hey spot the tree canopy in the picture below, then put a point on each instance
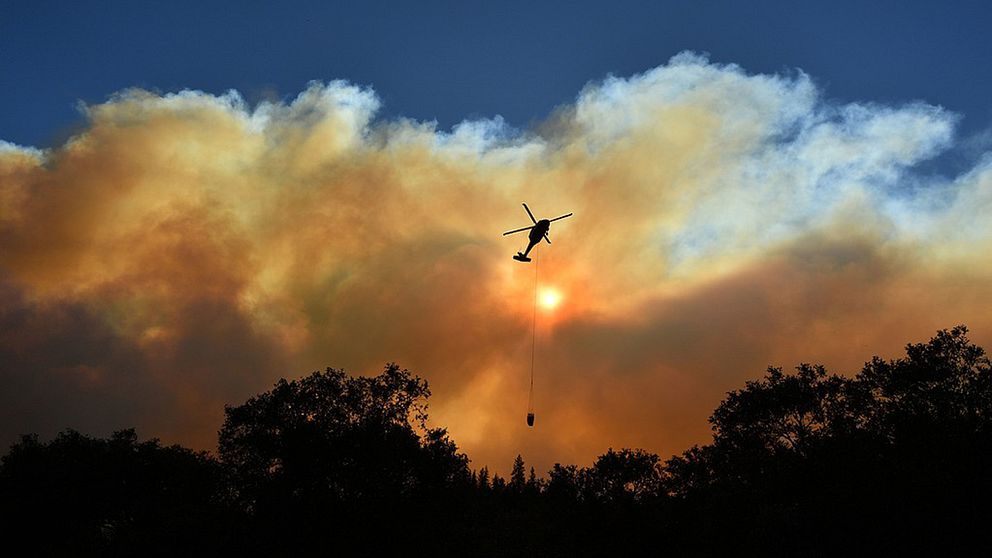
(333, 437)
(895, 458)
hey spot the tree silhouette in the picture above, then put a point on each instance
(944, 384)
(564, 484)
(331, 437)
(499, 484)
(896, 459)
(518, 479)
(624, 475)
(483, 482)
(782, 413)
(331, 457)
(534, 484)
(78, 495)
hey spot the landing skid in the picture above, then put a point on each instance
(521, 258)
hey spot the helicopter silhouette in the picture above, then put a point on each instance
(538, 231)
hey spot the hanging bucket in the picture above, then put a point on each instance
(530, 419)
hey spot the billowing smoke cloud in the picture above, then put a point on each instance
(186, 250)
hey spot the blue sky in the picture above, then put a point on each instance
(448, 61)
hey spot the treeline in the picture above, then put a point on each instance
(896, 459)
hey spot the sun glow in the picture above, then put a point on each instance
(549, 298)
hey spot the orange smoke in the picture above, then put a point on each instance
(186, 250)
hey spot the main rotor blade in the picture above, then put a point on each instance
(518, 230)
(546, 238)
(531, 214)
(562, 217)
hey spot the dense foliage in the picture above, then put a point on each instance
(896, 459)
(78, 495)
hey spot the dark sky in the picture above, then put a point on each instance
(454, 60)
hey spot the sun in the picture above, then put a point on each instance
(549, 298)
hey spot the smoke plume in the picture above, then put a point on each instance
(186, 250)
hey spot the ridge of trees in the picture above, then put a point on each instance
(894, 459)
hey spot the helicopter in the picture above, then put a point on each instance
(538, 231)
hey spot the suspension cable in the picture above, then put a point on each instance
(533, 333)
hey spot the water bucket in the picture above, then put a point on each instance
(530, 419)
